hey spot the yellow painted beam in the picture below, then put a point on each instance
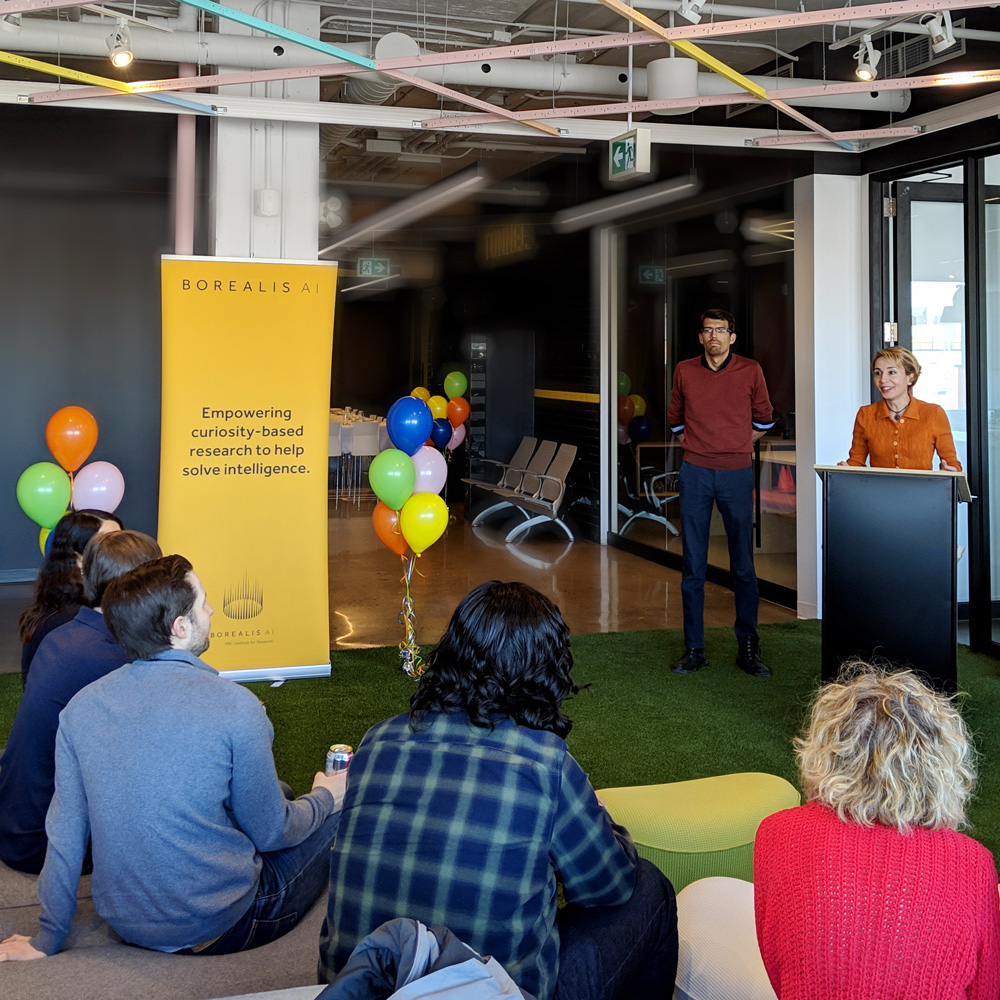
(688, 48)
(572, 397)
(67, 74)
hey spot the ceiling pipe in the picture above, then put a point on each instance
(46, 36)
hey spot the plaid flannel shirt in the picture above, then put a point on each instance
(470, 828)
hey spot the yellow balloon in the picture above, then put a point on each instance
(421, 393)
(640, 404)
(43, 534)
(439, 406)
(423, 520)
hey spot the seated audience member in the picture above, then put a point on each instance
(59, 584)
(470, 810)
(168, 767)
(868, 890)
(68, 659)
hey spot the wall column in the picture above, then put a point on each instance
(831, 349)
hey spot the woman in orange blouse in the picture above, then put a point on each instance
(900, 431)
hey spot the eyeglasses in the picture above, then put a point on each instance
(715, 329)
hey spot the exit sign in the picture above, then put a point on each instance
(628, 154)
(373, 267)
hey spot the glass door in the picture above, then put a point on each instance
(929, 292)
(991, 336)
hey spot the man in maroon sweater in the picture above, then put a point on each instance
(718, 407)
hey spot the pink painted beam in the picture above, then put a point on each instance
(710, 29)
(196, 83)
(20, 6)
(455, 95)
(781, 93)
(859, 135)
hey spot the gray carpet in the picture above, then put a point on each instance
(95, 965)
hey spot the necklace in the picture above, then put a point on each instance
(896, 414)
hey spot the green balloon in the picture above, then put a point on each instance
(455, 384)
(624, 384)
(393, 477)
(43, 491)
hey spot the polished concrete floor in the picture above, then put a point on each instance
(598, 589)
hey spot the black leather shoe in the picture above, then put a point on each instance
(692, 660)
(748, 657)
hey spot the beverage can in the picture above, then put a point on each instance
(338, 757)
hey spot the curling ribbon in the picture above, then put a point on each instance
(409, 650)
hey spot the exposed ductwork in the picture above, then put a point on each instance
(46, 36)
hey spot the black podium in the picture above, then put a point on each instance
(890, 571)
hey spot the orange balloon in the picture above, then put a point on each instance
(386, 523)
(458, 411)
(71, 434)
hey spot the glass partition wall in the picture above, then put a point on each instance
(938, 293)
(735, 256)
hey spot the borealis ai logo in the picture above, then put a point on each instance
(243, 600)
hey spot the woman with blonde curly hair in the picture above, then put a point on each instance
(869, 890)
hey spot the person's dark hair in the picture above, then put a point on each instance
(110, 555)
(140, 606)
(722, 314)
(505, 653)
(59, 584)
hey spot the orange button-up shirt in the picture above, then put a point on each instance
(908, 444)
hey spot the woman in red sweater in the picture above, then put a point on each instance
(868, 890)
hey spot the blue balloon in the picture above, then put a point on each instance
(409, 424)
(640, 429)
(441, 432)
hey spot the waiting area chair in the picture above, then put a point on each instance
(512, 471)
(528, 481)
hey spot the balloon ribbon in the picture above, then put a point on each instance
(409, 650)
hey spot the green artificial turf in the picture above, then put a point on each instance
(638, 723)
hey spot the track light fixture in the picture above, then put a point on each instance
(11, 23)
(868, 59)
(690, 10)
(939, 27)
(120, 46)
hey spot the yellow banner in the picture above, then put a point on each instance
(247, 347)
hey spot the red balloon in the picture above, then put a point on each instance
(458, 411)
(71, 434)
(386, 523)
(626, 409)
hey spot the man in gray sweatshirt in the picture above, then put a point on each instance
(167, 767)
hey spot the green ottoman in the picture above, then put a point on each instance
(694, 829)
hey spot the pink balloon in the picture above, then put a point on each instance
(98, 485)
(432, 470)
(457, 437)
(622, 434)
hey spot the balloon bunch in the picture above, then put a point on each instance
(44, 490)
(633, 424)
(449, 414)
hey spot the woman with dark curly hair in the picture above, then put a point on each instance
(59, 584)
(468, 812)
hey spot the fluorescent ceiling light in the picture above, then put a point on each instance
(868, 59)
(411, 209)
(618, 206)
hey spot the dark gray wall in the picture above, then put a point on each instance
(84, 217)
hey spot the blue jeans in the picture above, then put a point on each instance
(290, 882)
(621, 952)
(732, 491)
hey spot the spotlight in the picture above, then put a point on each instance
(11, 23)
(690, 10)
(939, 28)
(120, 47)
(868, 59)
